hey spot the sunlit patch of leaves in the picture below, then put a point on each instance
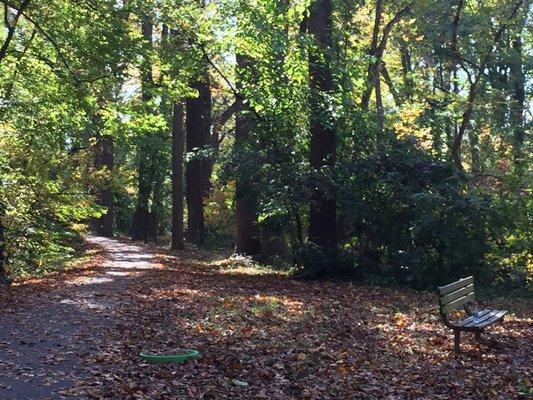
(266, 336)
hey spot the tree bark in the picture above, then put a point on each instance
(142, 219)
(247, 238)
(518, 96)
(105, 158)
(198, 128)
(3, 257)
(322, 214)
(178, 140)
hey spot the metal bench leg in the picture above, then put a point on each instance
(456, 340)
(478, 336)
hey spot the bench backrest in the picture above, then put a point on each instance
(456, 295)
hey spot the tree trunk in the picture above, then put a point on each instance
(198, 128)
(178, 139)
(518, 96)
(376, 51)
(474, 151)
(380, 113)
(142, 218)
(247, 238)
(408, 83)
(158, 198)
(372, 73)
(3, 257)
(474, 87)
(105, 159)
(322, 215)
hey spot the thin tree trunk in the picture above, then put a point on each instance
(216, 137)
(371, 84)
(518, 96)
(198, 128)
(380, 113)
(105, 158)
(322, 214)
(408, 85)
(178, 140)
(142, 220)
(247, 238)
(474, 150)
(158, 195)
(376, 51)
(390, 84)
(3, 256)
(474, 89)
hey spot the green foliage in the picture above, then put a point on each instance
(73, 73)
(411, 217)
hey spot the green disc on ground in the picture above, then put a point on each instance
(179, 357)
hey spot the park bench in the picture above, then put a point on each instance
(458, 295)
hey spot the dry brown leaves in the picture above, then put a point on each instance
(268, 337)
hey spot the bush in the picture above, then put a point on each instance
(411, 218)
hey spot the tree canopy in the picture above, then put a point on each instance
(386, 141)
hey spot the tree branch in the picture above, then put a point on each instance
(472, 93)
(238, 95)
(11, 27)
(378, 50)
(222, 119)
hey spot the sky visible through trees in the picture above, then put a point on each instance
(381, 140)
(279, 184)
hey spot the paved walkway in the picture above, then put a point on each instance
(43, 343)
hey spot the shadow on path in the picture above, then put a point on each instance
(43, 342)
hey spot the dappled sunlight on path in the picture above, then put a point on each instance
(261, 336)
(45, 341)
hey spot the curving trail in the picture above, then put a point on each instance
(44, 342)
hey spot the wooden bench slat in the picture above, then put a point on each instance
(480, 319)
(483, 320)
(456, 294)
(456, 285)
(457, 303)
(492, 320)
(477, 317)
(473, 317)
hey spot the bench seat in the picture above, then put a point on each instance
(458, 295)
(482, 319)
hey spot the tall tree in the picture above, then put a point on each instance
(3, 257)
(477, 81)
(518, 97)
(178, 139)
(105, 159)
(142, 218)
(376, 50)
(247, 239)
(322, 214)
(198, 132)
